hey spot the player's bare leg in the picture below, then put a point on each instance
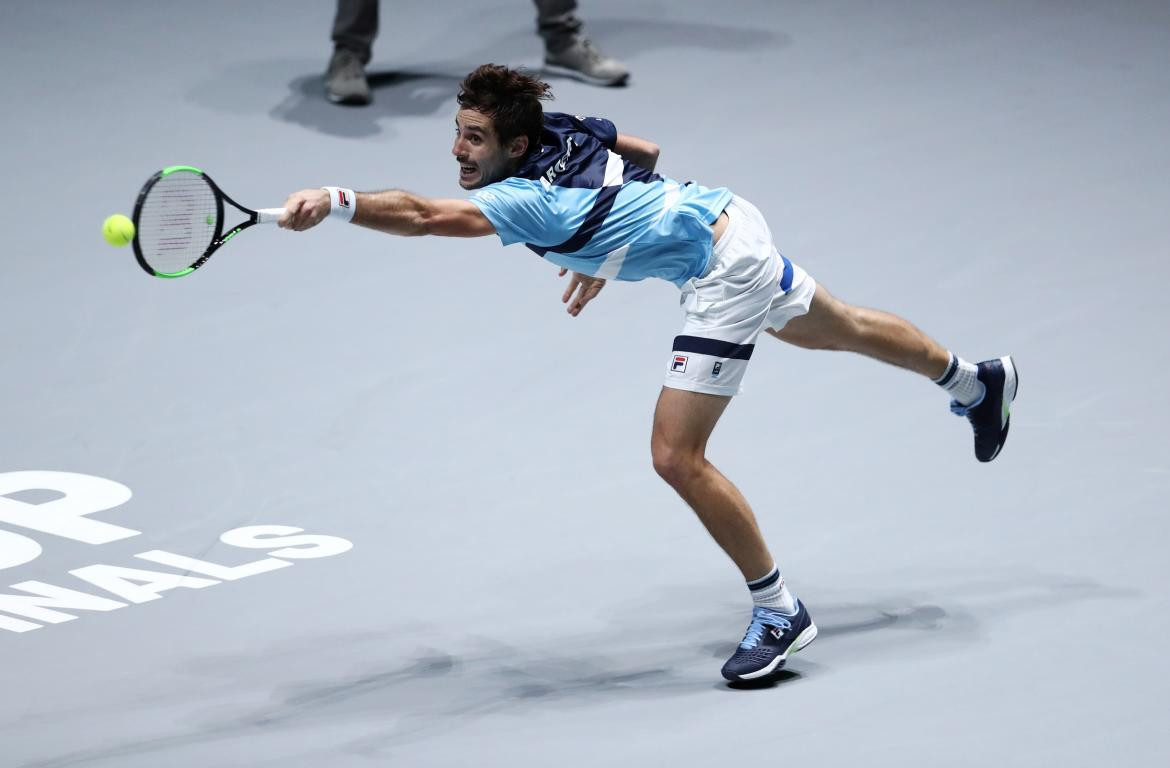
(683, 422)
(832, 324)
(983, 393)
(780, 624)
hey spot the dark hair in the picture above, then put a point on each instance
(510, 98)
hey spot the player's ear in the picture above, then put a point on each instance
(518, 147)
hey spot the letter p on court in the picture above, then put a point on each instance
(66, 516)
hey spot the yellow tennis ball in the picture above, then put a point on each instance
(118, 230)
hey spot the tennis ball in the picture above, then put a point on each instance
(118, 230)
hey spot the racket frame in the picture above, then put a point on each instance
(219, 239)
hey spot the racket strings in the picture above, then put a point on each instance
(177, 222)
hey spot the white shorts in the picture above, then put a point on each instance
(749, 286)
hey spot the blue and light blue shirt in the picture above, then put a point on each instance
(582, 206)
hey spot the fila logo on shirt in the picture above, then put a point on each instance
(679, 365)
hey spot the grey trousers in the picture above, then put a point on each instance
(356, 24)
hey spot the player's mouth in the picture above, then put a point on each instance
(467, 172)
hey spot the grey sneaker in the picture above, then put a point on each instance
(345, 80)
(581, 60)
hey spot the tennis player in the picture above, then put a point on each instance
(586, 198)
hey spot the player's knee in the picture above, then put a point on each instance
(675, 465)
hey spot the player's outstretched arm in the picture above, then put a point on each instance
(638, 151)
(393, 211)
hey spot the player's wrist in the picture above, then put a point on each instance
(342, 202)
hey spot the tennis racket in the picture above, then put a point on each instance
(179, 221)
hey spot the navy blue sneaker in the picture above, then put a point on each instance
(770, 638)
(990, 416)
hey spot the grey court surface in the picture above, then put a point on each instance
(520, 588)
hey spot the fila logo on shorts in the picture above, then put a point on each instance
(707, 365)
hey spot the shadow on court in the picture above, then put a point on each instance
(395, 94)
(435, 693)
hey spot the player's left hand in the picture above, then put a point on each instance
(586, 287)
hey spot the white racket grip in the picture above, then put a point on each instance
(269, 215)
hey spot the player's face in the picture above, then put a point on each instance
(482, 158)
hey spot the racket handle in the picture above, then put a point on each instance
(269, 215)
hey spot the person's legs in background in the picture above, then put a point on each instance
(568, 52)
(354, 28)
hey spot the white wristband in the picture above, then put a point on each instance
(342, 202)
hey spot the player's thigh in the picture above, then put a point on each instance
(683, 420)
(828, 324)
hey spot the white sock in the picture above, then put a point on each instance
(771, 592)
(961, 381)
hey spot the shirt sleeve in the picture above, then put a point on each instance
(599, 128)
(517, 209)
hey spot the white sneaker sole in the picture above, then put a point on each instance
(576, 74)
(1011, 383)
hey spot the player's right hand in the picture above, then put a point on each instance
(304, 209)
